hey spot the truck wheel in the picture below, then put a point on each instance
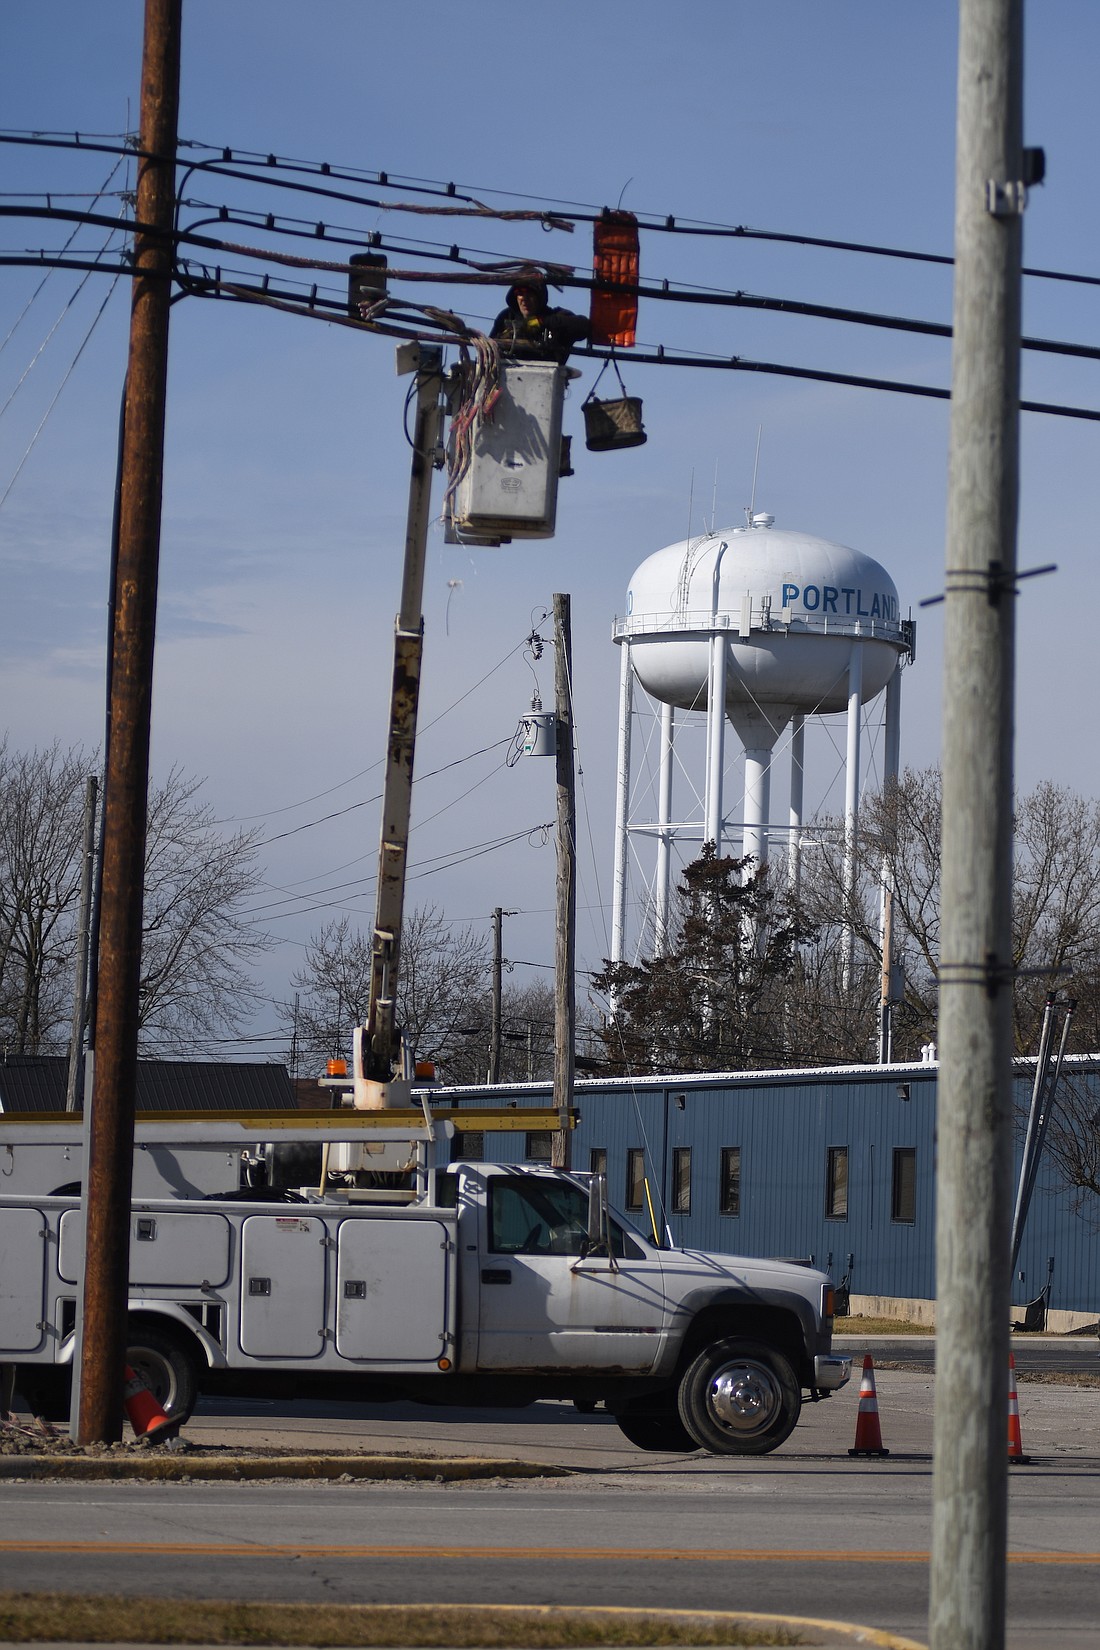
(166, 1368)
(657, 1432)
(740, 1398)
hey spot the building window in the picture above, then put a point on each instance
(836, 1183)
(903, 1195)
(635, 1178)
(681, 1180)
(597, 1160)
(729, 1190)
(469, 1146)
(539, 1147)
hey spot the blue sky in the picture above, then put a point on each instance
(286, 474)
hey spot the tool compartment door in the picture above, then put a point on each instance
(282, 1286)
(391, 1290)
(166, 1249)
(22, 1280)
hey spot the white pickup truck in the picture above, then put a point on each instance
(477, 1284)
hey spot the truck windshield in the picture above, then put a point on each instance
(532, 1216)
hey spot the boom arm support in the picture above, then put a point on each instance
(377, 1057)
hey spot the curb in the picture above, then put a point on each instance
(190, 1468)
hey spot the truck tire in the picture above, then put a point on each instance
(657, 1432)
(740, 1398)
(165, 1366)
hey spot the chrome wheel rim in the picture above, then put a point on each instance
(745, 1398)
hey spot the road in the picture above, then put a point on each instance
(807, 1530)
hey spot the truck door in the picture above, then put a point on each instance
(392, 1295)
(283, 1286)
(22, 1280)
(542, 1305)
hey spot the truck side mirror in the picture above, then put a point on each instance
(598, 1238)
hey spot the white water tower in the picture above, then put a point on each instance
(767, 627)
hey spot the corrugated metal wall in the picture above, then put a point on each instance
(784, 1126)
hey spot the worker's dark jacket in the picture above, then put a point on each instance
(546, 337)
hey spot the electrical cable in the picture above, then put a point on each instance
(100, 192)
(367, 801)
(274, 168)
(72, 366)
(664, 292)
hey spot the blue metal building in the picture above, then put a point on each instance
(837, 1164)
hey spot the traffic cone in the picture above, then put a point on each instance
(868, 1435)
(143, 1411)
(1016, 1456)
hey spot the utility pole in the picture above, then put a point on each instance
(974, 1157)
(498, 969)
(565, 916)
(109, 1169)
(74, 1089)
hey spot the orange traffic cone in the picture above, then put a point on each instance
(1016, 1456)
(868, 1435)
(143, 1411)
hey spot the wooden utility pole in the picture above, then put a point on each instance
(109, 1168)
(565, 916)
(974, 1155)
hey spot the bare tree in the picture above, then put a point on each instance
(1073, 1142)
(1055, 915)
(197, 939)
(442, 981)
(41, 817)
(898, 846)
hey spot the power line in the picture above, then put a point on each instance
(271, 169)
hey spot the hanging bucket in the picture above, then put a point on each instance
(610, 424)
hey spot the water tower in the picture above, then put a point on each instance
(767, 627)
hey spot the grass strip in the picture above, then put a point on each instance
(44, 1617)
(879, 1326)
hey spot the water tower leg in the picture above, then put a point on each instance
(716, 736)
(664, 832)
(622, 805)
(798, 774)
(851, 800)
(891, 759)
(754, 837)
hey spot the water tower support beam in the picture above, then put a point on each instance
(798, 776)
(664, 835)
(716, 737)
(622, 804)
(851, 799)
(891, 762)
(754, 836)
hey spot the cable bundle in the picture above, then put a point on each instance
(480, 391)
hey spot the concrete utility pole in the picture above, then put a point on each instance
(498, 970)
(109, 1168)
(565, 921)
(974, 1160)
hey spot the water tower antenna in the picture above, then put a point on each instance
(750, 512)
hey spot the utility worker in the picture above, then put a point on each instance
(528, 326)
